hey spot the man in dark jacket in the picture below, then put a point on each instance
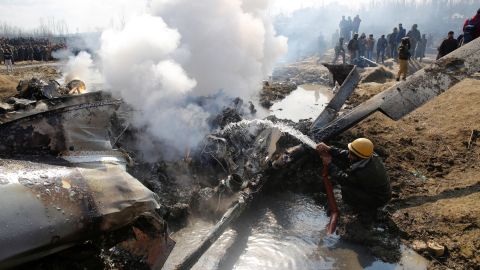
(448, 45)
(402, 32)
(353, 47)
(361, 174)
(381, 46)
(415, 37)
(403, 56)
(393, 43)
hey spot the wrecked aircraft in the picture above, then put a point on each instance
(62, 183)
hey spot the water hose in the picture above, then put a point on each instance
(332, 204)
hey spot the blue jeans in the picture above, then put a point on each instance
(370, 54)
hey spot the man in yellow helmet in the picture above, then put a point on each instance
(360, 172)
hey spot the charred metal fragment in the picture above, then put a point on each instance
(348, 78)
(61, 183)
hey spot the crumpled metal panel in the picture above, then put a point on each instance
(48, 207)
(55, 103)
(348, 85)
(62, 183)
(82, 127)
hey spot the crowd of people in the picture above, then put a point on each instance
(399, 44)
(20, 49)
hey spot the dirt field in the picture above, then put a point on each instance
(25, 71)
(434, 161)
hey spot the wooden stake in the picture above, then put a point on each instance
(471, 139)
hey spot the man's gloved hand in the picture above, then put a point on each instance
(323, 148)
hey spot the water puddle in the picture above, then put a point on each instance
(306, 102)
(282, 231)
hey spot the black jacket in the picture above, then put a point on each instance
(353, 45)
(403, 52)
(448, 46)
(368, 175)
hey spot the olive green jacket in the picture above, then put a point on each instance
(367, 175)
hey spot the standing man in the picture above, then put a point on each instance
(403, 56)
(392, 42)
(356, 23)
(339, 51)
(8, 58)
(422, 47)
(415, 37)
(353, 47)
(381, 47)
(362, 45)
(364, 182)
(471, 28)
(370, 46)
(448, 45)
(401, 34)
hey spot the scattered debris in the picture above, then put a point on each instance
(435, 248)
(419, 246)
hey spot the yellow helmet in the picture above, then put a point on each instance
(362, 147)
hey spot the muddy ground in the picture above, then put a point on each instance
(433, 159)
(432, 155)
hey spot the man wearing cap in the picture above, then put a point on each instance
(361, 174)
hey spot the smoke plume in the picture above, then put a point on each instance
(79, 67)
(183, 49)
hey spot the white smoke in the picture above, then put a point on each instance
(184, 49)
(79, 67)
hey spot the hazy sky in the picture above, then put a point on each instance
(88, 15)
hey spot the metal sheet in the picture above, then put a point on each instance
(46, 207)
(82, 127)
(344, 92)
(56, 103)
